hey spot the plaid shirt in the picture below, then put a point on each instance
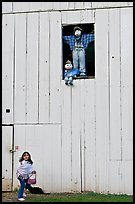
(85, 39)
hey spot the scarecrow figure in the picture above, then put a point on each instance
(79, 52)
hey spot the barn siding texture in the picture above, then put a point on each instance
(80, 137)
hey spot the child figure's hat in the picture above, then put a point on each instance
(68, 62)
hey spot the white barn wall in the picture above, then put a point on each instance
(80, 137)
(127, 83)
(20, 69)
(102, 99)
(115, 80)
(7, 68)
(44, 74)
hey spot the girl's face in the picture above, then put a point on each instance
(25, 156)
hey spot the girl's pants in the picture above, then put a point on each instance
(23, 185)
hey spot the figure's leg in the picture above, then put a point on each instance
(82, 66)
(70, 80)
(75, 59)
(66, 80)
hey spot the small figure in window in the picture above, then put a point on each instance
(70, 73)
(68, 79)
(79, 52)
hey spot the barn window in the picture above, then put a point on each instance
(73, 49)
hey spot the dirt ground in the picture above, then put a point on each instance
(12, 196)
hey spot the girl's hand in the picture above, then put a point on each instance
(20, 177)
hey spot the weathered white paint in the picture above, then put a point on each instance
(102, 100)
(7, 133)
(66, 138)
(53, 6)
(115, 80)
(44, 74)
(21, 6)
(120, 176)
(32, 68)
(55, 64)
(20, 69)
(108, 4)
(127, 83)
(6, 7)
(7, 68)
(80, 137)
(89, 136)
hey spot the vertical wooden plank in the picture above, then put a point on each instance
(6, 7)
(7, 133)
(7, 68)
(74, 17)
(66, 137)
(114, 176)
(79, 5)
(44, 142)
(63, 5)
(56, 158)
(120, 177)
(82, 133)
(130, 3)
(76, 146)
(70, 17)
(47, 5)
(56, 5)
(127, 82)
(114, 59)
(90, 136)
(35, 6)
(87, 5)
(127, 177)
(55, 67)
(71, 5)
(44, 58)
(21, 6)
(102, 103)
(32, 68)
(20, 68)
(87, 16)
(108, 4)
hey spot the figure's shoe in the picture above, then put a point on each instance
(66, 82)
(70, 82)
(82, 74)
(21, 199)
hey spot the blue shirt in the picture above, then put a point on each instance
(85, 39)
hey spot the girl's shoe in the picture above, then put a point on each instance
(21, 199)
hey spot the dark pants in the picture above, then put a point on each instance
(23, 185)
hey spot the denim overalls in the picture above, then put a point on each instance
(79, 56)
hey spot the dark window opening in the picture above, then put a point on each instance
(87, 43)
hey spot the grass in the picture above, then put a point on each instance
(80, 197)
(68, 197)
